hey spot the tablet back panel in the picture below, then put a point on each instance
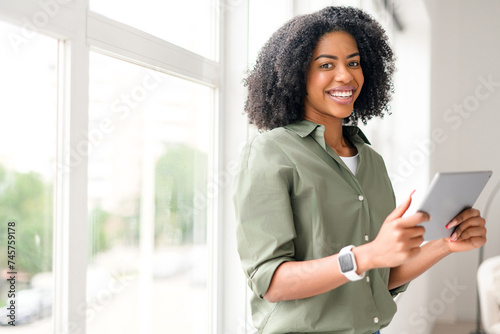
(448, 195)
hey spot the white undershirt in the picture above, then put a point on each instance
(351, 162)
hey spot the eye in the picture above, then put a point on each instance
(354, 64)
(328, 65)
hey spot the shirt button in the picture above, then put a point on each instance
(360, 197)
(366, 237)
(375, 320)
(368, 279)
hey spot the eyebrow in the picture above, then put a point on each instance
(335, 57)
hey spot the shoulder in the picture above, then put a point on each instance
(270, 148)
(369, 150)
(373, 158)
(275, 139)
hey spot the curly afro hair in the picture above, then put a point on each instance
(277, 83)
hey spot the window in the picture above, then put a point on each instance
(109, 145)
(27, 173)
(148, 170)
(190, 24)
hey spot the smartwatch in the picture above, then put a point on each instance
(347, 264)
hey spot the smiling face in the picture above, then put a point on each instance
(334, 77)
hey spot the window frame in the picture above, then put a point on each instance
(80, 31)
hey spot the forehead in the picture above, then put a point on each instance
(337, 41)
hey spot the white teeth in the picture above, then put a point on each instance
(341, 94)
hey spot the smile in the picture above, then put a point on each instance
(341, 94)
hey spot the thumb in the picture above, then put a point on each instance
(401, 209)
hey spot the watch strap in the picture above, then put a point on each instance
(351, 274)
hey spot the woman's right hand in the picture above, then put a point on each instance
(399, 238)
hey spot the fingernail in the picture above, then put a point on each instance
(454, 237)
(451, 224)
(413, 192)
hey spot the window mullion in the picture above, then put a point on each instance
(71, 230)
(232, 135)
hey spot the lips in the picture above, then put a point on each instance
(342, 94)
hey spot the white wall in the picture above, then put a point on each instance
(402, 138)
(465, 53)
(454, 123)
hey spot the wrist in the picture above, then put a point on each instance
(443, 246)
(364, 258)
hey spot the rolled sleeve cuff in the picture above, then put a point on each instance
(399, 289)
(260, 279)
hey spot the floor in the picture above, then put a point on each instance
(455, 328)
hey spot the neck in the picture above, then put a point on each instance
(333, 134)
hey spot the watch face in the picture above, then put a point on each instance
(345, 262)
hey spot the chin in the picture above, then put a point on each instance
(342, 114)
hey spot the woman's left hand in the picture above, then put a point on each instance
(470, 232)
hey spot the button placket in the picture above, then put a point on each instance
(361, 198)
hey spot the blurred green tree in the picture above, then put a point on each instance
(97, 231)
(180, 172)
(26, 199)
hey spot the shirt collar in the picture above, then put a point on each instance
(302, 128)
(305, 128)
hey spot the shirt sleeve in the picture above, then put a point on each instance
(265, 228)
(396, 291)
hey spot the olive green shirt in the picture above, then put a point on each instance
(296, 200)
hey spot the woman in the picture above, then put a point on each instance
(320, 240)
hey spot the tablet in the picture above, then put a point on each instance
(447, 196)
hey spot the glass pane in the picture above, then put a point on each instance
(147, 171)
(191, 24)
(28, 110)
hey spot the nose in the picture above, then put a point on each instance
(343, 74)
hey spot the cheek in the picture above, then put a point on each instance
(316, 83)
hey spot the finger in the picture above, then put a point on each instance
(478, 241)
(414, 232)
(462, 216)
(419, 231)
(471, 232)
(401, 209)
(416, 241)
(414, 220)
(469, 223)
